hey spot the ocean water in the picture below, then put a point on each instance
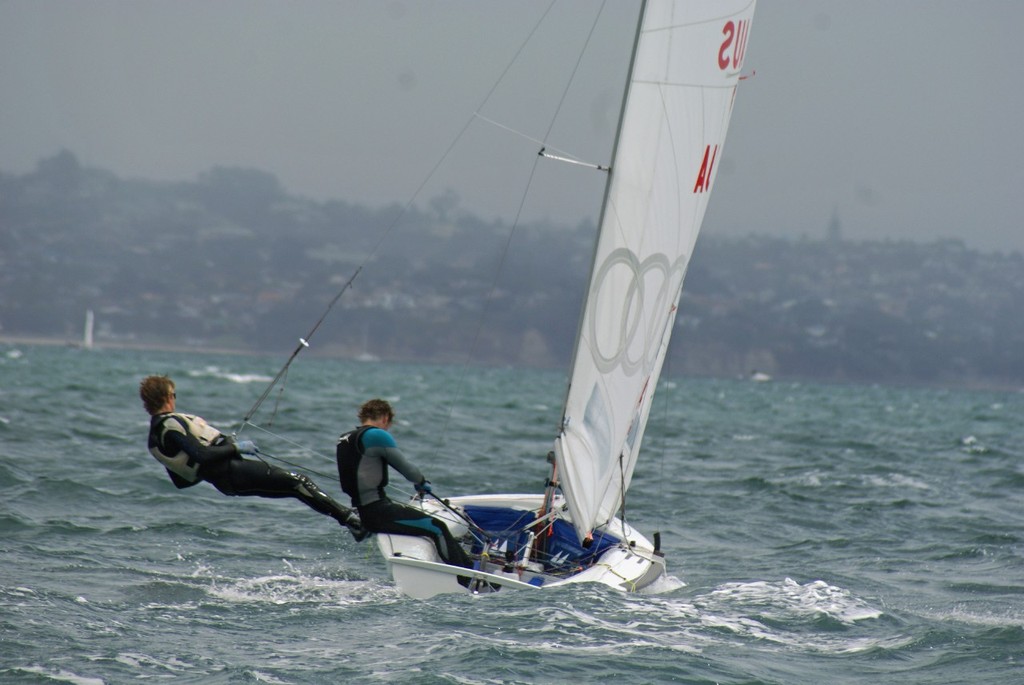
(814, 533)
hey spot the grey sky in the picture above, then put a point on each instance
(899, 116)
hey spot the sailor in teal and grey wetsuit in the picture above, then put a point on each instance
(364, 455)
(193, 451)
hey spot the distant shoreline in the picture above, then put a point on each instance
(51, 341)
(121, 345)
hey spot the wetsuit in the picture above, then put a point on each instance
(192, 451)
(364, 456)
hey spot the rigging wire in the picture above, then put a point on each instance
(575, 69)
(499, 270)
(304, 342)
(261, 454)
(295, 444)
(562, 155)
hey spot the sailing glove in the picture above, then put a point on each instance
(246, 447)
(423, 487)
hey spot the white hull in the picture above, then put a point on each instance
(419, 572)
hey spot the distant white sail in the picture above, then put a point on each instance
(87, 334)
(679, 100)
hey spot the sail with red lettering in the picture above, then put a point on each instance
(679, 99)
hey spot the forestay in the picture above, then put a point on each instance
(679, 98)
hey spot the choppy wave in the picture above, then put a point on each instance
(813, 534)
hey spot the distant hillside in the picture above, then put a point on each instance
(231, 260)
(890, 312)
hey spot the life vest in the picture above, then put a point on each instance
(184, 472)
(349, 453)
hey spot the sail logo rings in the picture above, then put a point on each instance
(631, 336)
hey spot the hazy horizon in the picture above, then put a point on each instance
(891, 116)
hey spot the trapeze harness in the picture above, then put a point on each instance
(363, 478)
(219, 463)
(183, 469)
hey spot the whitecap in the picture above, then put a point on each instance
(262, 677)
(172, 664)
(666, 583)
(788, 613)
(1012, 618)
(217, 372)
(972, 446)
(62, 675)
(790, 600)
(896, 480)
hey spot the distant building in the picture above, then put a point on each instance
(835, 227)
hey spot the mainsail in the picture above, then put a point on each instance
(679, 97)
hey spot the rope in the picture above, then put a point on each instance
(469, 522)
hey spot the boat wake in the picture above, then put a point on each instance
(813, 616)
(790, 602)
(808, 618)
(663, 585)
(298, 588)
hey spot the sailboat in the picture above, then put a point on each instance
(679, 96)
(87, 334)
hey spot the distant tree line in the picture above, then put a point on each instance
(232, 260)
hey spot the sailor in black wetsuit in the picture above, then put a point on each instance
(192, 451)
(364, 455)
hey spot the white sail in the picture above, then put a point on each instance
(679, 98)
(87, 334)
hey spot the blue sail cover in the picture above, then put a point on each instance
(508, 526)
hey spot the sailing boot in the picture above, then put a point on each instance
(322, 502)
(354, 525)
